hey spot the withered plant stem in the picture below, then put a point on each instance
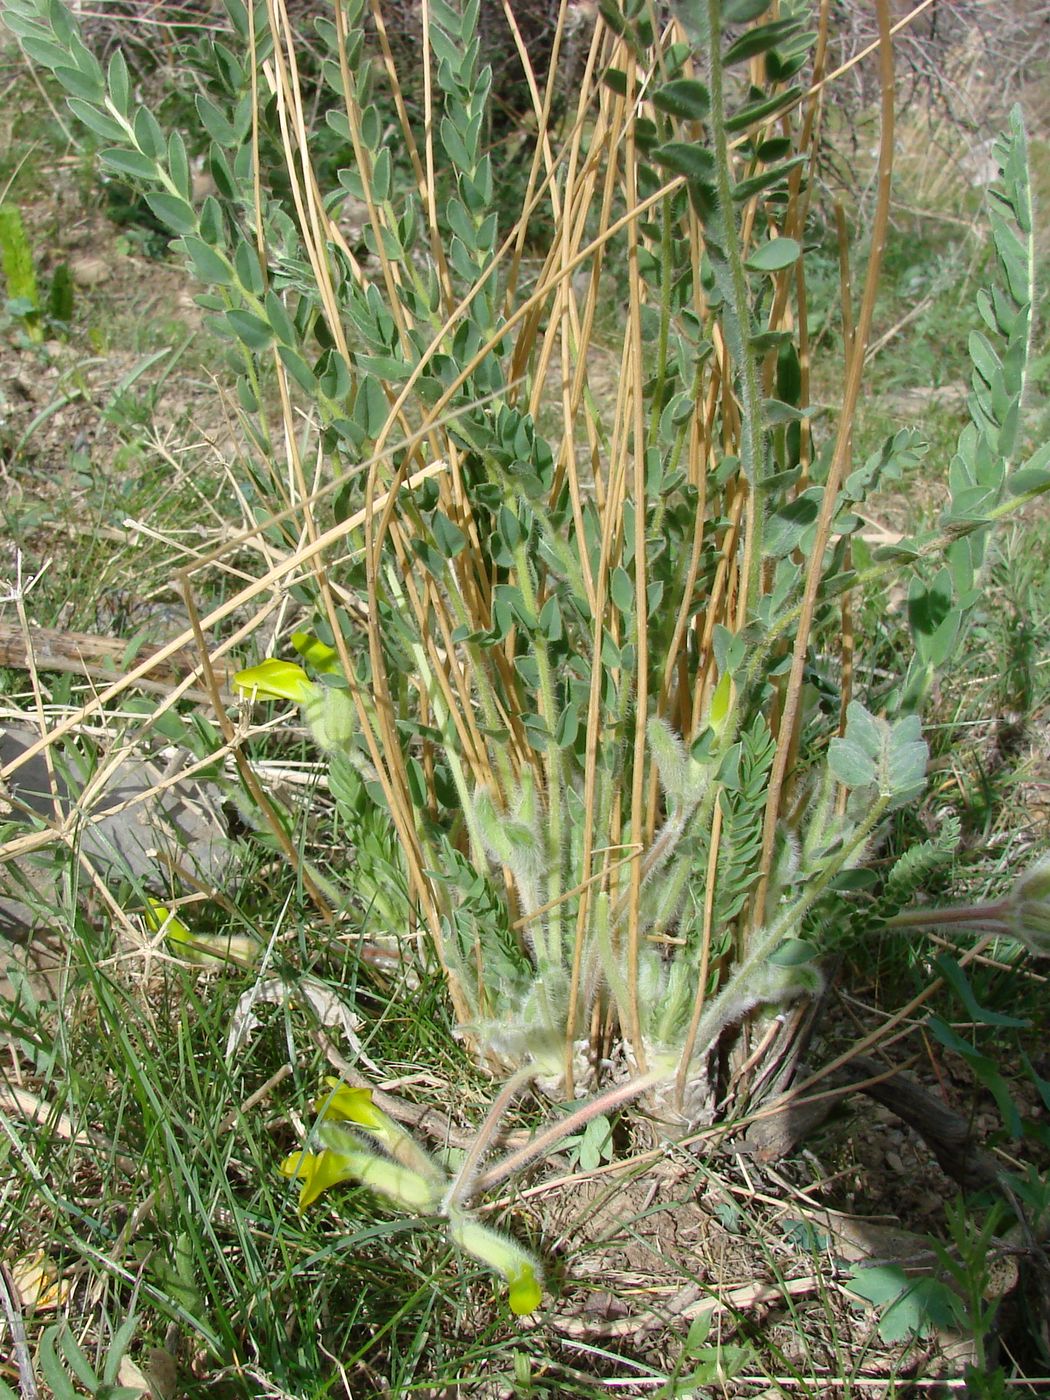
(793, 698)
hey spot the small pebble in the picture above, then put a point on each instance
(89, 271)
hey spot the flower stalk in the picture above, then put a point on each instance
(379, 1154)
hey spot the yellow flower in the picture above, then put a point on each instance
(344, 1158)
(158, 916)
(278, 680)
(327, 709)
(356, 1106)
(323, 658)
(405, 1176)
(317, 1171)
(199, 948)
(525, 1290)
(351, 1106)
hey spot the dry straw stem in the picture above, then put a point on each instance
(576, 194)
(555, 279)
(276, 577)
(857, 349)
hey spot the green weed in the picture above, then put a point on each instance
(16, 256)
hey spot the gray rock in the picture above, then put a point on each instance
(131, 832)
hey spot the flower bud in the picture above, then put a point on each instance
(202, 949)
(512, 839)
(502, 1254)
(329, 713)
(277, 680)
(682, 777)
(321, 657)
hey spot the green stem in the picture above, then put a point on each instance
(728, 262)
(548, 1140)
(991, 916)
(736, 997)
(497, 753)
(666, 281)
(815, 887)
(552, 762)
(443, 717)
(463, 1182)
